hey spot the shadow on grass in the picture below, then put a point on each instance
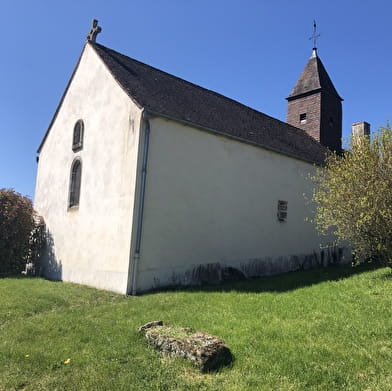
(287, 281)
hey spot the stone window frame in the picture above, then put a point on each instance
(302, 118)
(75, 184)
(78, 135)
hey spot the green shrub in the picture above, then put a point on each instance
(21, 232)
(354, 199)
(36, 243)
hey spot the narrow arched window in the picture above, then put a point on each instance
(74, 188)
(77, 141)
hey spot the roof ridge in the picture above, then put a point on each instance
(319, 67)
(184, 81)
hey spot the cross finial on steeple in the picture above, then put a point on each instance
(95, 30)
(314, 37)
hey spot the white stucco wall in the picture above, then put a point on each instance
(91, 244)
(212, 199)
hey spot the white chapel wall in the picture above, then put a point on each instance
(91, 245)
(211, 199)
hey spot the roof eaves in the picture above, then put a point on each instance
(302, 94)
(228, 135)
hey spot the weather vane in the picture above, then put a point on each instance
(315, 35)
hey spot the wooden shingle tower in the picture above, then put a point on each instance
(315, 106)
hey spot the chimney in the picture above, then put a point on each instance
(360, 129)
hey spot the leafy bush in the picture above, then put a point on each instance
(36, 243)
(21, 232)
(354, 198)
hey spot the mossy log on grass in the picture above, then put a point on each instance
(206, 351)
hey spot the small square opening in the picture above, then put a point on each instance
(302, 118)
(282, 210)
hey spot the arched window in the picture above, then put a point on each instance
(74, 188)
(77, 141)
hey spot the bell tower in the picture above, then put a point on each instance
(315, 106)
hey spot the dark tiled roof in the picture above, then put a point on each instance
(314, 77)
(164, 94)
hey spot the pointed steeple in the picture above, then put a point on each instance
(315, 106)
(314, 77)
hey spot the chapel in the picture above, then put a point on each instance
(146, 180)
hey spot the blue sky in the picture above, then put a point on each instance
(251, 51)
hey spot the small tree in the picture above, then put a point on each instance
(353, 196)
(18, 230)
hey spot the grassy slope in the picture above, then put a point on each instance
(327, 329)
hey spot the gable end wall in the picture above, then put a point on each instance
(90, 244)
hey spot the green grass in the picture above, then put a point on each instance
(328, 329)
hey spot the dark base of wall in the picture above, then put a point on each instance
(216, 273)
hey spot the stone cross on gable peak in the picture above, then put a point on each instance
(95, 30)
